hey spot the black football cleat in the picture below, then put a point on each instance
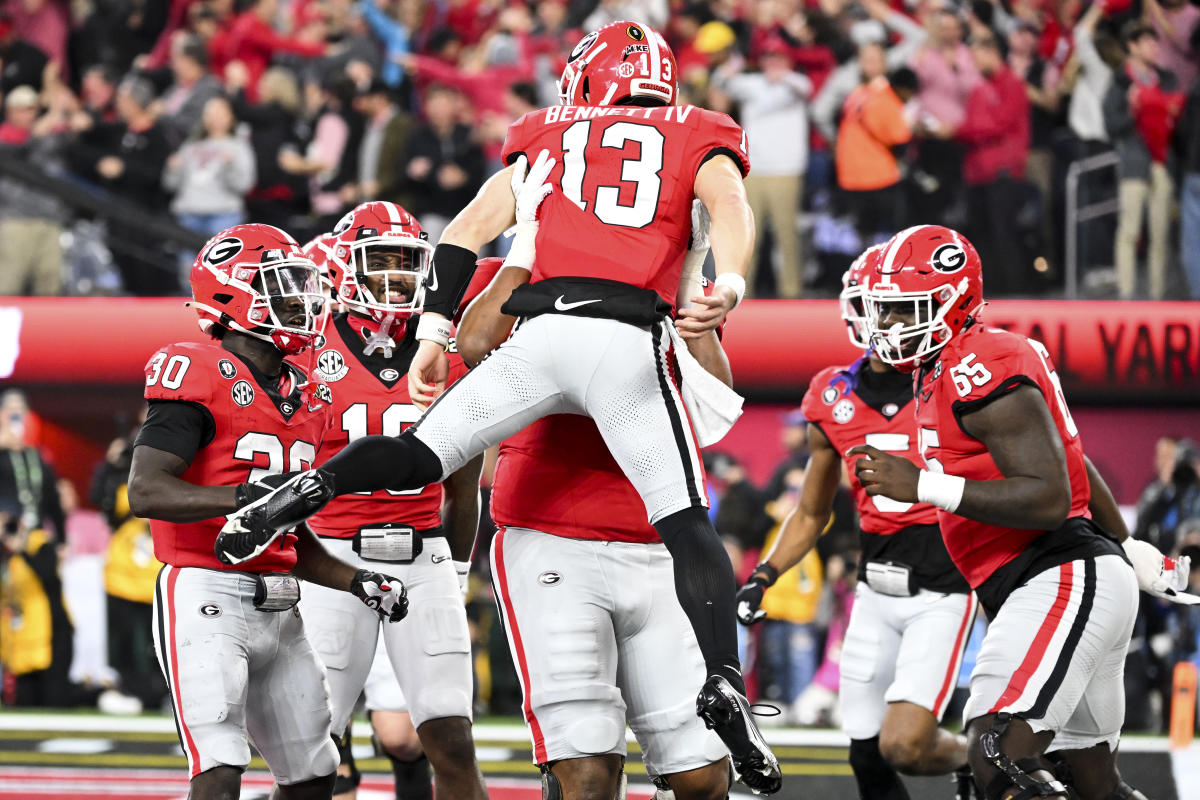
(251, 529)
(726, 712)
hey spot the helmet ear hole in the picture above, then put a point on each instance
(223, 299)
(587, 93)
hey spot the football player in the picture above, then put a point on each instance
(913, 611)
(377, 264)
(1025, 517)
(623, 164)
(224, 416)
(583, 584)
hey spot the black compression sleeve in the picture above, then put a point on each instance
(177, 426)
(452, 269)
(383, 462)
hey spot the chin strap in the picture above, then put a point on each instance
(380, 339)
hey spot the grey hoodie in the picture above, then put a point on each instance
(210, 176)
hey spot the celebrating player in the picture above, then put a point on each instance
(377, 264)
(1025, 518)
(913, 611)
(624, 164)
(574, 556)
(222, 417)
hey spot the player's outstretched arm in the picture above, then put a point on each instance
(157, 492)
(706, 349)
(460, 515)
(1103, 505)
(483, 327)
(719, 186)
(1023, 441)
(802, 527)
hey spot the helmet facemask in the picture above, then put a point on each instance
(855, 315)
(907, 345)
(389, 279)
(289, 300)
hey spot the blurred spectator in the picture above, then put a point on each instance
(995, 136)
(387, 131)
(788, 638)
(393, 34)
(211, 174)
(818, 704)
(1175, 22)
(98, 95)
(43, 24)
(24, 64)
(1173, 497)
(445, 165)
(321, 162)
(1140, 110)
(946, 74)
(651, 12)
(793, 435)
(873, 122)
(27, 481)
(184, 102)
(740, 513)
(1041, 78)
(275, 127)
(772, 105)
(253, 41)
(36, 635)
(1187, 156)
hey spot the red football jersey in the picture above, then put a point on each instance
(974, 368)
(833, 404)
(621, 209)
(371, 401)
(252, 438)
(557, 476)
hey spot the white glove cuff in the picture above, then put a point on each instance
(941, 490)
(463, 568)
(691, 282)
(431, 328)
(735, 282)
(523, 249)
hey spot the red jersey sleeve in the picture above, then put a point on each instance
(178, 372)
(721, 136)
(519, 135)
(992, 367)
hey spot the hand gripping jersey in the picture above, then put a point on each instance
(253, 435)
(371, 397)
(853, 406)
(623, 188)
(980, 365)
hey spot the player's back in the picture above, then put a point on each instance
(623, 187)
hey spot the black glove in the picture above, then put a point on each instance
(248, 493)
(749, 598)
(251, 529)
(383, 593)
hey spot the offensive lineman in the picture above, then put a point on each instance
(377, 263)
(614, 229)
(222, 417)
(584, 588)
(1026, 519)
(913, 611)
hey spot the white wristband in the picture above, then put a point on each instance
(523, 249)
(431, 328)
(940, 490)
(463, 568)
(735, 282)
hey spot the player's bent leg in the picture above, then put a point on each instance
(218, 783)
(1092, 772)
(710, 782)
(319, 788)
(348, 777)
(876, 778)
(911, 741)
(1004, 753)
(588, 778)
(397, 739)
(450, 748)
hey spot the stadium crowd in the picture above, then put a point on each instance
(862, 115)
(792, 658)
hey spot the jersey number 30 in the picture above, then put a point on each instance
(642, 172)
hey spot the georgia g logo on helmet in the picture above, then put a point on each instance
(220, 252)
(948, 258)
(583, 46)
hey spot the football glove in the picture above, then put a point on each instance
(251, 530)
(1159, 575)
(252, 491)
(749, 598)
(382, 593)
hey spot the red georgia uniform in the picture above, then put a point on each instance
(853, 406)
(557, 476)
(371, 398)
(974, 368)
(252, 437)
(623, 188)
(832, 404)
